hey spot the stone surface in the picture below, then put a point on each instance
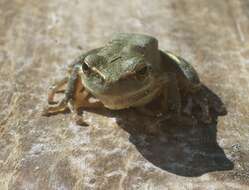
(39, 38)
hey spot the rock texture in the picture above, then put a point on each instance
(39, 38)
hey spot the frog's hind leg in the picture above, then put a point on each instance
(172, 103)
(57, 87)
(202, 102)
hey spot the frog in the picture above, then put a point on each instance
(130, 71)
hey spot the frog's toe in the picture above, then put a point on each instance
(52, 102)
(57, 87)
(51, 97)
(80, 121)
(52, 110)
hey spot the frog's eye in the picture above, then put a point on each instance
(142, 71)
(85, 67)
(140, 49)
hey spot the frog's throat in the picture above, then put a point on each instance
(132, 99)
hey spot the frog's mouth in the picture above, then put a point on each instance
(136, 98)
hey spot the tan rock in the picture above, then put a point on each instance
(39, 38)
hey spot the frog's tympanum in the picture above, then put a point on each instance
(130, 71)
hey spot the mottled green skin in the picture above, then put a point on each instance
(113, 78)
(120, 56)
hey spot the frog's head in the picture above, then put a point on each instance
(124, 72)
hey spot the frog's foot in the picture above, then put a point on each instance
(62, 107)
(57, 87)
(55, 109)
(78, 119)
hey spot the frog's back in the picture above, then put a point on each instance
(122, 41)
(134, 38)
(131, 45)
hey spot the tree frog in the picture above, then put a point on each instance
(129, 71)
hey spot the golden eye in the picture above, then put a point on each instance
(85, 68)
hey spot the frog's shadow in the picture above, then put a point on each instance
(182, 150)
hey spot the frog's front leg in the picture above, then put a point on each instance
(68, 101)
(69, 92)
(76, 97)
